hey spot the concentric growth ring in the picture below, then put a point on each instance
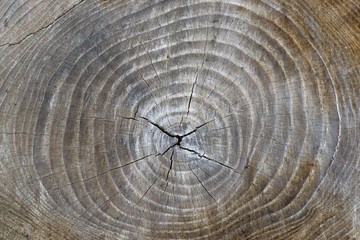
(175, 119)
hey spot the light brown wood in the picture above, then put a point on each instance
(179, 119)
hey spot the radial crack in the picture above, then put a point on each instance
(129, 118)
(167, 175)
(179, 139)
(159, 127)
(209, 175)
(147, 190)
(196, 128)
(136, 111)
(177, 143)
(197, 72)
(210, 159)
(203, 185)
(151, 61)
(127, 164)
(100, 174)
(44, 27)
(192, 92)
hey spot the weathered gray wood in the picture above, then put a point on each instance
(179, 119)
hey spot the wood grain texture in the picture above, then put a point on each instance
(179, 119)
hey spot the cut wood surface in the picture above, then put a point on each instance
(179, 119)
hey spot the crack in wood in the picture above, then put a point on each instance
(167, 175)
(159, 127)
(100, 174)
(147, 190)
(192, 92)
(44, 27)
(178, 137)
(209, 175)
(196, 128)
(202, 185)
(177, 143)
(210, 159)
(129, 118)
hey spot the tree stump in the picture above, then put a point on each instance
(179, 119)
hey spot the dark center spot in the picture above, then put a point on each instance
(179, 138)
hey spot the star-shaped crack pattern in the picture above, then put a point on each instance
(178, 143)
(178, 137)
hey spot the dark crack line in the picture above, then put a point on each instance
(141, 75)
(138, 70)
(210, 159)
(217, 129)
(100, 174)
(160, 127)
(179, 138)
(209, 175)
(147, 190)
(152, 64)
(232, 52)
(196, 128)
(192, 92)
(167, 175)
(127, 164)
(197, 72)
(129, 118)
(136, 111)
(177, 143)
(182, 119)
(44, 27)
(202, 185)
(151, 61)
(97, 175)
